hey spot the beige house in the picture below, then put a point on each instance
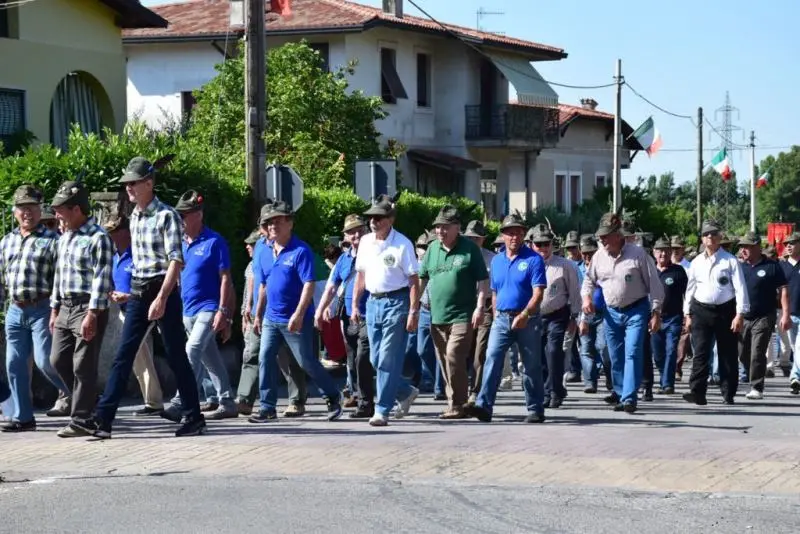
(61, 62)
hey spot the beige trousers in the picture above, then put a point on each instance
(144, 369)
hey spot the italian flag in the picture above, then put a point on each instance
(649, 137)
(762, 180)
(722, 164)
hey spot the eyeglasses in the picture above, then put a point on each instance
(710, 234)
(542, 244)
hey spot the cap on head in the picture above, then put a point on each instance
(190, 201)
(541, 234)
(750, 238)
(792, 238)
(447, 215)
(588, 243)
(572, 239)
(677, 241)
(662, 243)
(272, 211)
(382, 206)
(610, 223)
(498, 240)
(116, 223)
(628, 229)
(253, 238)
(353, 221)
(27, 194)
(48, 214)
(513, 220)
(727, 240)
(71, 193)
(138, 169)
(424, 239)
(710, 225)
(475, 229)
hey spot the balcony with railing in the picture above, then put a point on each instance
(512, 125)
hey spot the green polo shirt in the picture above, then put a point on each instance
(452, 278)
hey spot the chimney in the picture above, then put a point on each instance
(393, 7)
(237, 13)
(281, 7)
(589, 103)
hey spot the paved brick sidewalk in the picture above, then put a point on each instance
(667, 446)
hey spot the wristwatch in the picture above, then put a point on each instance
(224, 311)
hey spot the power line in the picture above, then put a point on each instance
(510, 67)
(668, 112)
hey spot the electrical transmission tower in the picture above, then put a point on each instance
(726, 131)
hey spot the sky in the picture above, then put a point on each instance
(681, 55)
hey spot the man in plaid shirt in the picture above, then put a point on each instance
(156, 235)
(80, 300)
(27, 264)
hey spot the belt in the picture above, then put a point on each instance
(564, 310)
(629, 306)
(714, 306)
(75, 301)
(426, 307)
(395, 293)
(510, 313)
(31, 302)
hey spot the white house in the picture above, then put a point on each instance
(446, 88)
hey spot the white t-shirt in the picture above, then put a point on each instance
(387, 265)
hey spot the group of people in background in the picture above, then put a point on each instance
(442, 315)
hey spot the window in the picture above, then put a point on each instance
(423, 80)
(187, 104)
(560, 191)
(324, 51)
(12, 113)
(575, 193)
(600, 181)
(391, 87)
(489, 192)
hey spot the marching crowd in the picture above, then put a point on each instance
(443, 314)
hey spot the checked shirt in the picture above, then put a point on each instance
(84, 266)
(156, 239)
(28, 263)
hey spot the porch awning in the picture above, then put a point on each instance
(442, 160)
(531, 87)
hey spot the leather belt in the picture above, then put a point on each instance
(31, 302)
(75, 301)
(629, 306)
(395, 293)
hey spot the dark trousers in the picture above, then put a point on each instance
(554, 326)
(710, 322)
(480, 342)
(75, 359)
(648, 375)
(358, 348)
(665, 348)
(754, 340)
(133, 331)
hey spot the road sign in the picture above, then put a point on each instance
(375, 177)
(283, 183)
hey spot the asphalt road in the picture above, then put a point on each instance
(188, 503)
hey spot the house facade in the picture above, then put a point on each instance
(61, 61)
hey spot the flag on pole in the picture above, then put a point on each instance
(722, 164)
(762, 180)
(649, 137)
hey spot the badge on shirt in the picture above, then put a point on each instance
(669, 281)
(389, 260)
(458, 261)
(83, 241)
(41, 242)
(199, 251)
(762, 273)
(628, 277)
(522, 266)
(723, 280)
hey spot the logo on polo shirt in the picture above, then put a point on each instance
(83, 241)
(669, 281)
(389, 260)
(41, 242)
(628, 277)
(458, 261)
(522, 266)
(723, 280)
(762, 273)
(199, 251)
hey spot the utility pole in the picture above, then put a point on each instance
(699, 169)
(255, 96)
(752, 181)
(617, 135)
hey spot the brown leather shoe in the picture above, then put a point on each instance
(208, 406)
(457, 412)
(243, 407)
(350, 402)
(294, 410)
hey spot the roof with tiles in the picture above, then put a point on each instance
(198, 19)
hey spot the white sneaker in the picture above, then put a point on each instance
(404, 406)
(754, 395)
(378, 420)
(507, 383)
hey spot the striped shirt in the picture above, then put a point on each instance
(28, 263)
(156, 239)
(84, 266)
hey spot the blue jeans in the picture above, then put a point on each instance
(206, 361)
(625, 340)
(795, 340)
(301, 345)
(554, 327)
(28, 329)
(386, 329)
(665, 348)
(593, 350)
(431, 372)
(529, 341)
(135, 327)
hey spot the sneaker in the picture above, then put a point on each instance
(61, 408)
(191, 426)
(73, 431)
(754, 395)
(208, 406)
(334, 410)
(795, 385)
(691, 398)
(91, 427)
(535, 417)
(294, 410)
(229, 411)
(590, 389)
(404, 406)
(480, 413)
(507, 383)
(172, 413)
(378, 420)
(147, 411)
(572, 377)
(263, 416)
(16, 426)
(555, 403)
(669, 390)
(648, 395)
(365, 411)
(611, 399)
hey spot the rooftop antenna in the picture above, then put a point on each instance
(481, 13)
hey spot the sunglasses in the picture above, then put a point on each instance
(710, 234)
(542, 244)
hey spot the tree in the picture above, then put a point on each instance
(314, 122)
(780, 199)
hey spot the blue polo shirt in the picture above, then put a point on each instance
(514, 279)
(341, 273)
(203, 258)
(259, 247)
(285, 276)
(763, 281)
(122, 271)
